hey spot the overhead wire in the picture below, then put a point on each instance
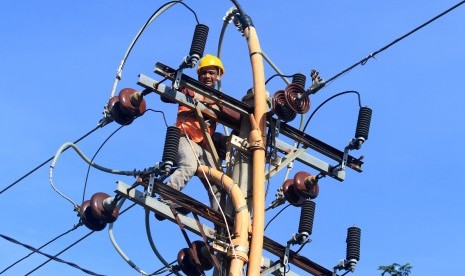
(277, 214)
(372, 55)
(157, 13)
(329, 99)
(48, 160)
(93, 157)
(107, 139)
(153, 246)
(74, 243)
(48, 256)
(42, 246)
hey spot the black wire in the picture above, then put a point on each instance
(372, 55)
(163, 269)
(151, 17)
(49, 256)
(27, 256)
(302, 246)
(275, 216)
(48, 160)
(158, 111)
(280, 75)
(327, 100)
(93, 157)
(73, 244)
(106, 140)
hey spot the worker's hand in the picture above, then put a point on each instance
(188, 92)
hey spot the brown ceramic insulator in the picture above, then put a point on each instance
(99, 212)
(205, 262)
(88, 219)
(117, 114)
(289, 192)
(280, 107)
(296, 98)
(304, 186)
(186, 264)
(132, 102)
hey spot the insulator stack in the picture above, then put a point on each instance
(289, 193)
(307, 214)
(296, 98)
(299, 79)
(205, 261)
(199, 40)
(125, 107)
(187, 263)
(363, 123)
(306, 185)
(88, 219)
(170, 150)
(353, 243)
(280, 107)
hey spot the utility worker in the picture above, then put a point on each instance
(210, 70)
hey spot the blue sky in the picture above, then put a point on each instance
(59, 61)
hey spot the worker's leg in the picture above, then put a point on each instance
(187, 164)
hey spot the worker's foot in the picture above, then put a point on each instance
(176, 206)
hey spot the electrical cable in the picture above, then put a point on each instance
(85, 158)
(158, 12)
(48, 256)
(152, 244)
(302, 246)
(42, 246)
(106, 140)
(163, 269)
(158, 111)
(46, 161)
(73, 244)
(372, 55)
(327, 100)
(280, 75)
(92, 160)
(275, 216)
(116, 246)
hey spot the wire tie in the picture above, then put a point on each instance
(230, 187)
(241, 249)
(242, 208)
(254, 53)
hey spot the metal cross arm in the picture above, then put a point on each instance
(181, 98)
(219, 97)
(319, 146)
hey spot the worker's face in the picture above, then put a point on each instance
(209, 76)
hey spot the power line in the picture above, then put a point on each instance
(27, 256)
(372, 55)
(49, 256)
(74, 243)
(48, 160)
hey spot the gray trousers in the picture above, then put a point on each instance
(187, 167)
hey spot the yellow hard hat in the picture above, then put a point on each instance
(210, 60)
